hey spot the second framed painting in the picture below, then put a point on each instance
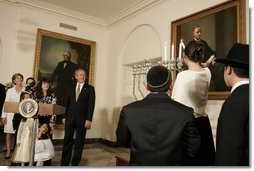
(222, 26)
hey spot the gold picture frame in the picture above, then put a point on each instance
(222, 26)
(49, 51)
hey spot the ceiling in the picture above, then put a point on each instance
(103, 9)
(103, 12)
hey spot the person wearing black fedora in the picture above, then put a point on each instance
(232, 140)
(158, 129)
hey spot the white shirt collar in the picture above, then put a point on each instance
(239, 83)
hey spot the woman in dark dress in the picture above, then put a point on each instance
(44, 94)
(191, 89)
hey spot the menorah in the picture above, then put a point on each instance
(139, 71)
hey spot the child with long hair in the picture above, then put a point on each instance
(44, 149)
(22, 149)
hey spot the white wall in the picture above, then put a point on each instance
(18, 39)
(123, 36)
(138, 37)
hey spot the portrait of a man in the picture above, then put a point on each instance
(57, 58)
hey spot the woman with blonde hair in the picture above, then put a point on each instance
(12, 95)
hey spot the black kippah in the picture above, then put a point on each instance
(158, 76)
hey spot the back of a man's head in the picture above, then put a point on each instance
(158, 79)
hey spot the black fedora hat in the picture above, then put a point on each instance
(238, 56)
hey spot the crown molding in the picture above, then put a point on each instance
(135, 8)
(58, 10)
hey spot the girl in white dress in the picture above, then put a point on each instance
(24, 140)
(22, 150)
(191, 89)
(44, 149)
(12, 95)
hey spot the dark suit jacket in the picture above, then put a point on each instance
(159, 130)
(64, 78)
(232, 141)
(64, 75)
(82, 110)
(2, 96)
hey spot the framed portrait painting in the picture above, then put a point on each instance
(50, 47)
(50, 53)
(222, 26)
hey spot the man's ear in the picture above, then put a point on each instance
(229, 70)
(170, 87)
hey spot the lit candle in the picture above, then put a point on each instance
(165, 52)
(172, 52)
(183, 46)
(180, 50)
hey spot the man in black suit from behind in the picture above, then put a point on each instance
(80, 101)
(232, 140)
(158, 130)
(63, 75)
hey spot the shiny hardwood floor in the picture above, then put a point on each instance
(94, 154)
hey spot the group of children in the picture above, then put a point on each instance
(44, 149)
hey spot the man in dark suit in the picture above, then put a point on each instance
(79, 113)
(63, 76)
(158, 130)
(208, 52)
(2, 96)
(2, 99)
(232, 141)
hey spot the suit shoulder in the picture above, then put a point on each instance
(73, 64)
(239, 93)
(2, 88)
(133, 104)
(183, 107)
(61, 62)
(203, 41)
(90, 86)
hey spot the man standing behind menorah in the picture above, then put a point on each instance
(80, 103)
(158, 129)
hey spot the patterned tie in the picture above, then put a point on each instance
(77, 92)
